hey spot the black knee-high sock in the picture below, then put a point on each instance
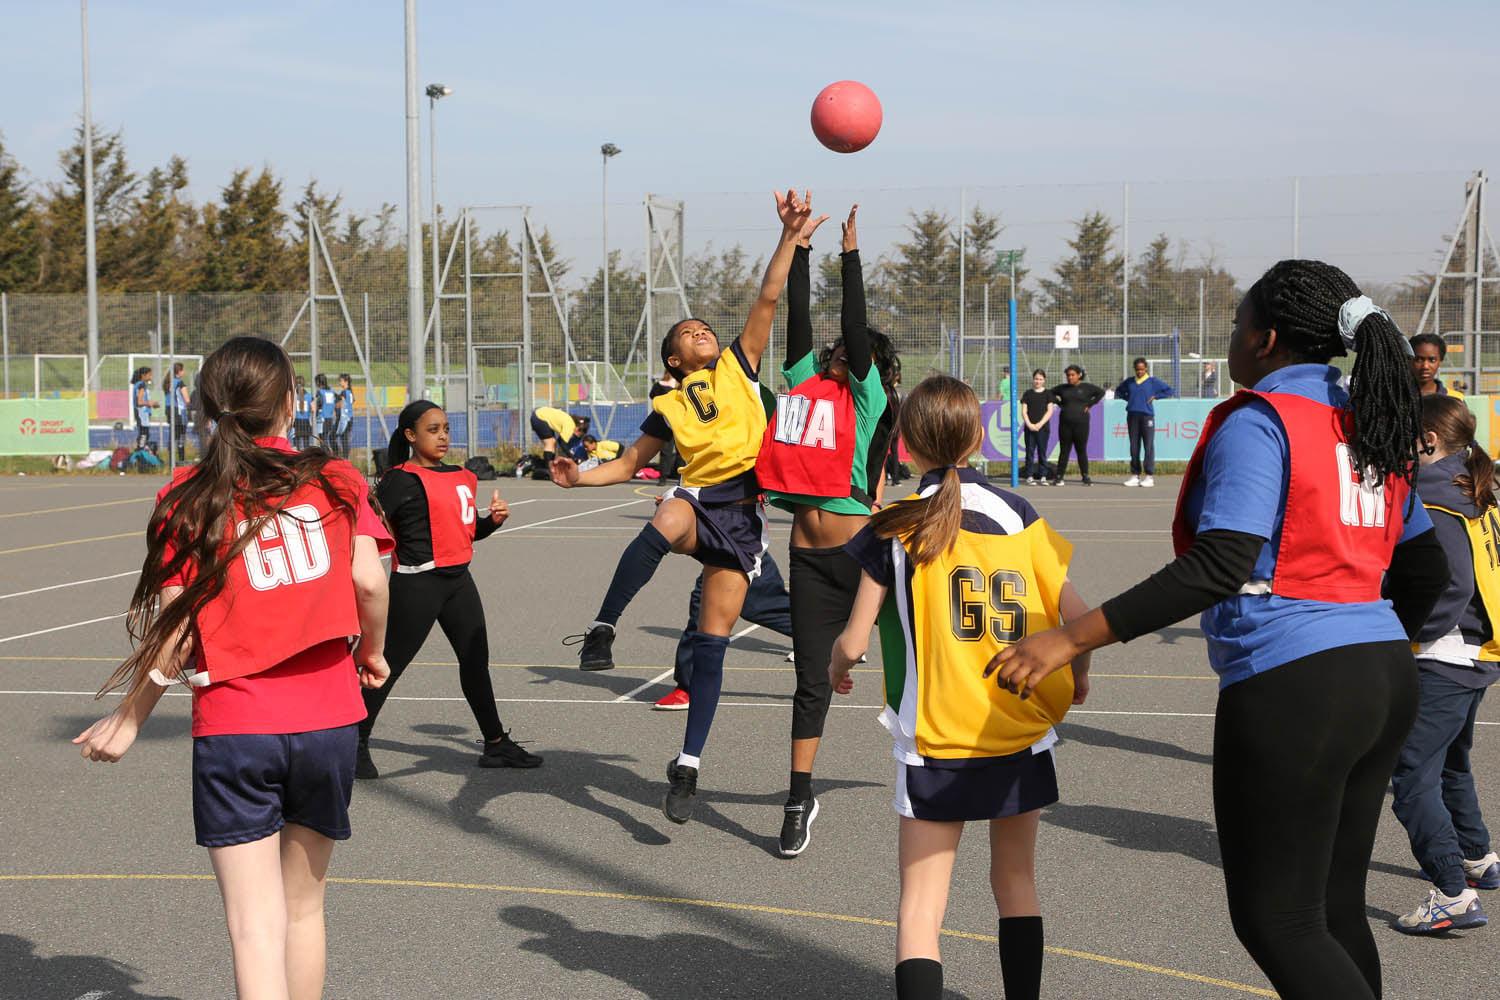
(1021, 957)
(919, 979)
(637, 565)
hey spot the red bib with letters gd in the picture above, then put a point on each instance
(1337, 533)
(291, 588)
(451, 513)
(808, 448)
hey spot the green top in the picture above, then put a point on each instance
(869, 404)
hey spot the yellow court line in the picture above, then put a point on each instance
(138, 533)
(80, 506)
(710, 904)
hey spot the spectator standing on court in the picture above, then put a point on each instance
(1428, 352)
(326, 401)
(302, 416)
(1140, 393)
(1074, 398)
(1038, 405)
(177, 409)
(1310, 718)
(1210, 381)
(345, 420)
(141, 405)
(1004, 387)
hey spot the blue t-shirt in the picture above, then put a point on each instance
(325, 403)
(140, 401)
(1138, 395)
(1243, 488)
(346, 412)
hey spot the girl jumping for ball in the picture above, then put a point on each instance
(261, 563)
(717, 419)
(432, 511)
(954, 573)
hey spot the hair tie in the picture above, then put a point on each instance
(1354, 312)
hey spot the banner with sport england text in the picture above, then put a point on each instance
(44, 426)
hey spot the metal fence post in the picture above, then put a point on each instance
(5, 339)
(176, 400)
(1125, 282)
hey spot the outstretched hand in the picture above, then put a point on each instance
(564, 472)
(499, 509)
(1024, 665)
(851, 236)
(805, 235)
(792, 210)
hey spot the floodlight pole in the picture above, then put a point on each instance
(436, 92)
(90, 260)
(414, 330)
(606, 151)
(1015, 405)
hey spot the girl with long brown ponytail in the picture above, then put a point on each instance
(953, 574)
(261, 564)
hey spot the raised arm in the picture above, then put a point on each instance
(799, 302)
(632, 460)
(794, 213)
(852, 319)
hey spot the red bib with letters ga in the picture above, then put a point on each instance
(451, 513)
(1337, 532)
(808, 448)
(291, 588)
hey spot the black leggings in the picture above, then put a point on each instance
(418, 600)
(824, 582)
(1302, 757)
(1073, 433)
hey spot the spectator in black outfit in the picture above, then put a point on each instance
(1040, 405)
(1074, 399)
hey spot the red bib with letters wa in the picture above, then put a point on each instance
(291, 588)
(1338, 531)
(451, 514)
(808, 448)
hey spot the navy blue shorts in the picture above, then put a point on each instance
(731, 535)
(248, 786)
(992, 788)
(544, 431)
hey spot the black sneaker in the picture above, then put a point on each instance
(364, 766)
(506, 752)
(796, 826)
(1087, 481)
(682, 784)
(598, 648)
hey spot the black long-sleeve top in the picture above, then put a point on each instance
(852, 317)
(404, 501)
(1074, 400)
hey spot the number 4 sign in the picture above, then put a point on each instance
(1066, 336)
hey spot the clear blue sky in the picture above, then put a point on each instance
(713, 97)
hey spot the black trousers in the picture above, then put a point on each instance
(824, 582)
(1302, 757)
(1036, 452)
(417, 601)
(1142, 429)
(1073, 433)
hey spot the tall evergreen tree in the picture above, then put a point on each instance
(1088, 282)
(20, 251)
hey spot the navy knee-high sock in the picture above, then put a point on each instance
(636, 567)
(1021, 957)
(708, 677)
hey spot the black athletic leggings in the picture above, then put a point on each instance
(824, 582)
(418, 600)
(1072, 433)
(1302, 757)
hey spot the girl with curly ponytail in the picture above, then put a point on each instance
(1299, 538)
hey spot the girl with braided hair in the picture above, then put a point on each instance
(1296, 503)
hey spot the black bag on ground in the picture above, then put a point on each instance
(481, 467)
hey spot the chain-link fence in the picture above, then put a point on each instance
(1148, 269)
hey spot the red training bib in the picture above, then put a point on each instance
(808, 447)
(451, 514)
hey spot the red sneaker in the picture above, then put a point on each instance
(677, 701)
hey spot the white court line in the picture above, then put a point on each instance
(75, 583)
(60, 628)
(670, 671)
(722, 704)
(567, 517)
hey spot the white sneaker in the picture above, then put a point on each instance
(1133, 481)
(791, 657)
(1484, 873)
(1444, 913)
(1148, 482)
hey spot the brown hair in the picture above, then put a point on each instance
(244, 387)
(939, 421)
(1454, 425)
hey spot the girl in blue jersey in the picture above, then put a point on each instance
(344, 418)
(1458, 653)
(141, 404)
(1140, 393)
(954, 572)
(325, 403)
(302, 413)
(1299, 633)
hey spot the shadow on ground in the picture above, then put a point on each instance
(1095, 737)
(64, 977)
(675, 965)
(1135, 830)
(589, 781)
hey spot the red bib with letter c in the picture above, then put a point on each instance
(1338, 530)
(451, 514)
(808, 447)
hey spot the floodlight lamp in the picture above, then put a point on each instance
(609, 149)
(438, 91)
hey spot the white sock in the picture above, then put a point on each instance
(683, 760)
(598, 624)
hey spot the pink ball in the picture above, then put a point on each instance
(846, 116)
